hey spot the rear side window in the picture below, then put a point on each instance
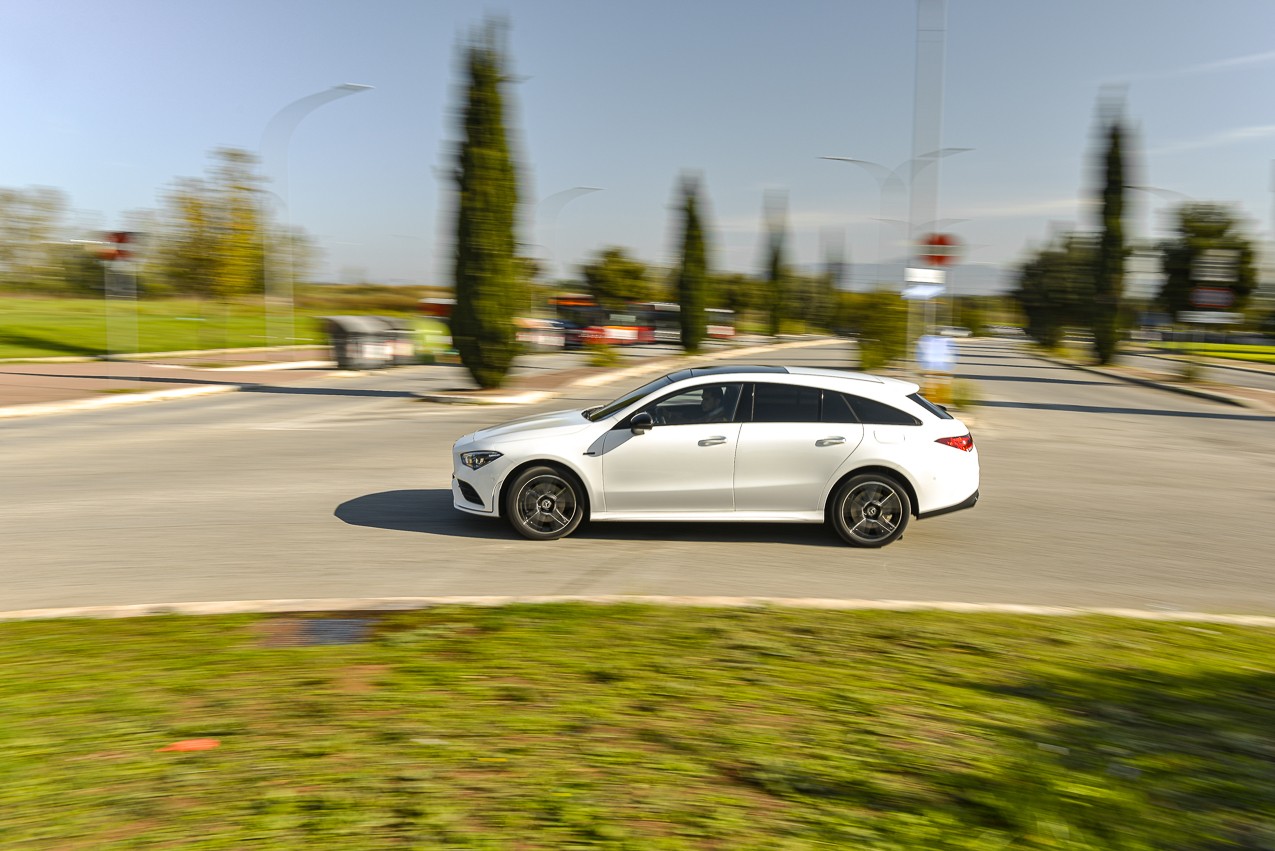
(879, 413)
(785, 403)
(930, 406)
(837, 409)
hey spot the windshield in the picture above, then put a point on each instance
(595, 414)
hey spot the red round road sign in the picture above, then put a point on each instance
(115, 245)
(938, 249)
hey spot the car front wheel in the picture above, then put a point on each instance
(871, 510)
(544, 504)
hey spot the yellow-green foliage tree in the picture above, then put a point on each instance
(882, 323)
(30, 221)
(213, 245)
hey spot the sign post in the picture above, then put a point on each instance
(935, 250)
(116, 251)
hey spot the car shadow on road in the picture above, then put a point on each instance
(431, 512)
(427, 511)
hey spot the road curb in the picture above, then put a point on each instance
(395, 604)
(1209, 395)
(528, 398)
(271, 367)
(612, 375)
(74, 405)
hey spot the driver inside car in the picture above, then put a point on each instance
(713, 406)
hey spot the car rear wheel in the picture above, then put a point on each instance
(871, 510)
(544, 503)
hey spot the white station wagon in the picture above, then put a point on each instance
(742, 443)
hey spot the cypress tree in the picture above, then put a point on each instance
(692, 274)
(486, 272)
(775, 273)
(1109, 269)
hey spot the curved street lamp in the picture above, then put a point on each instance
(278, 133)
(555, 203)
(884, 176)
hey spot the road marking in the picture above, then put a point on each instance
(392, 604)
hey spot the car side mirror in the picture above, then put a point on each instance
(641, 423)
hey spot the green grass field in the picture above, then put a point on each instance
(632, 727)
(1253, 354)
(33, 327)
(47, 327)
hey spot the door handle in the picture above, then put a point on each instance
(713, 441)
(830, 441)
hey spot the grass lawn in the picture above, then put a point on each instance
(1255, 354)
(51, 327)
(634, 727)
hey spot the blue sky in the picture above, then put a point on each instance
(111, 102)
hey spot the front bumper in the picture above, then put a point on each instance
(475, 491)
(467, 498)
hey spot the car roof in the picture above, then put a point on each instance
(731, 370)
(771, 373)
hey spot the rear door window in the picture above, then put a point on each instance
(837, 408)
(785, 403)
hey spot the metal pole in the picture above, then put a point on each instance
(280, 128)
(563, 198)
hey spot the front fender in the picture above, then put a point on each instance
(586, 474)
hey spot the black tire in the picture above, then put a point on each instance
(544, 503)
(870, 510)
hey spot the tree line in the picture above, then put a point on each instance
(489, 288)
(1077, 280)
(210, 238)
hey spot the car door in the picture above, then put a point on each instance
(791, 446)
(685, 463)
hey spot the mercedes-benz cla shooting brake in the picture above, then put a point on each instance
(744, 443)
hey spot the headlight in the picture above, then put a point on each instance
(477, 460)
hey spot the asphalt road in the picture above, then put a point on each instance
(1095, 493)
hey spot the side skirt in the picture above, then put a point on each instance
(712, 516)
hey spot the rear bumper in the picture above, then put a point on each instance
(968, 502)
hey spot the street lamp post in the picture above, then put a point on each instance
(1168, 196)
(278, 133)
(884, 176)
(554, 203)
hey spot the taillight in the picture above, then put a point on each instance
(964, 443)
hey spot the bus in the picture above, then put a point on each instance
(588, 323)
(665, 319)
